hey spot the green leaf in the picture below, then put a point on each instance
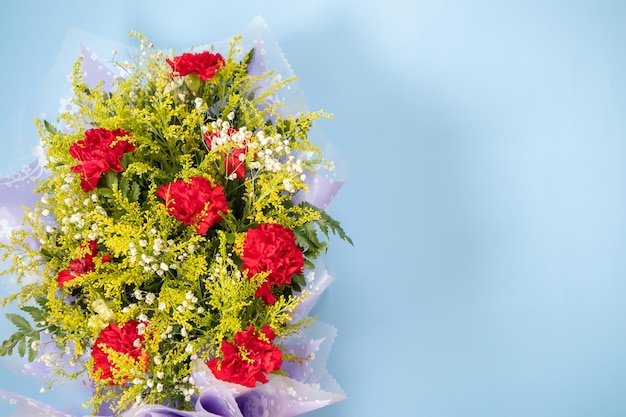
(20, 322)
(21, 347)
(124, 186)
(326, 222)
(51, 129)
(110, 179)
(193, 82)
(37, 315)
(248, 58)
(41, 300)
(32, 353)
(105, 192)
(4, 348)
(136, 191)
(308, 264)
(46, 254)
(299, 279)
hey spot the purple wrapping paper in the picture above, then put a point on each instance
(16, 191)
(280, 397)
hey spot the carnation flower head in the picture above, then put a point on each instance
(249, 359)
(101, 150)
(203, 64)
(195, 202)
(121, 340)
(271, 248)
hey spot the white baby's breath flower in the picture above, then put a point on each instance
(150, 297)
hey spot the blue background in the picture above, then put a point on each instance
(484, 146)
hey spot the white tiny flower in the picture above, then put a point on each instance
(288, 185)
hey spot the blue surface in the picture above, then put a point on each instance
(485, 144)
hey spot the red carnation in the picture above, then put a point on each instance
(195, 202)
(82, 265)
(249, 359)
(124, 340)
(203, 64)
(271, 248)
(101, 150)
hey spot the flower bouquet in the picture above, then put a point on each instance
(170, 259)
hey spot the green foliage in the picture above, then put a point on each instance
(27, 336)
